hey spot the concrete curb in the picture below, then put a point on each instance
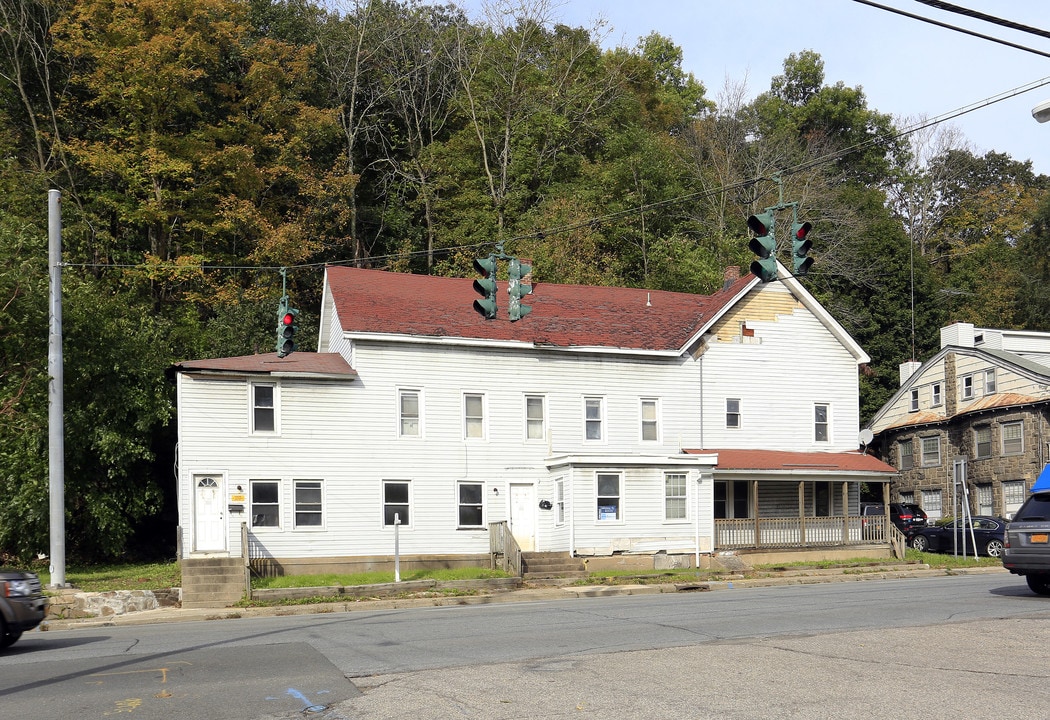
(528, 594)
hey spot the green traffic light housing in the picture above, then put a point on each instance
(286, 326)
(486, 286)
(518, 271)
(764, 245)
(800, 246)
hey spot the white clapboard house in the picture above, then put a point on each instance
(608, 421)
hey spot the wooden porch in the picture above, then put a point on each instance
(807, 532)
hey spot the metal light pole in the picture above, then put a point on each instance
(56, 425)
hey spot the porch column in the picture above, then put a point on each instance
(802, 511)
(845, 511)
(754, 494)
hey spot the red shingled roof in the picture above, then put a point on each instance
(785, 460)
(298, 362)
(375, 301)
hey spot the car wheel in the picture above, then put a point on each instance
(920, 543)
(994, 548)
(1039, 584)
(7, 636)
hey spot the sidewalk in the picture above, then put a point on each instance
(526, 594)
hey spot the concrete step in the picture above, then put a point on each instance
(212, 582)
(551, 565)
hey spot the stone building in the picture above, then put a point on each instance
(971, 424)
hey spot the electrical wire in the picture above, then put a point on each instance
(948, 7)
(956, 28)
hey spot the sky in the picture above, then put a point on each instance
(906, 68)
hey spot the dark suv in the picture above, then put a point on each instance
(1026, 545)
(906, 516)
(22, 604)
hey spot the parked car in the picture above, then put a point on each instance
(1026, 549)
(906, 516)
(22, 604)
(955, 536)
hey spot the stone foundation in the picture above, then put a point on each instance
(73, 604)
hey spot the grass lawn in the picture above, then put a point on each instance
(157, 576)
(129, 576)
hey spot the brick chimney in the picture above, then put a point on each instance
(730, 276)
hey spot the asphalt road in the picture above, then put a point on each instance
(930, 648)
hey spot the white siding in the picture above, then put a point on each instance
(790, 364)
(345, 433)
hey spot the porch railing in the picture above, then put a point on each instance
(790, 532)
(504, 552)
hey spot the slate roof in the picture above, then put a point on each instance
(784, 460)
(379, 302)
(298, 363)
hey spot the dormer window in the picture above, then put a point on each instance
(989, 381)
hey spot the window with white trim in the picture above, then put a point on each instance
(914, 403)
(608, 497)
(265, 503)
(906, 448)
(675, 496)
(732, 412)
(931, 503)
(931, 451)
(471, 505)
(264, 407)
(396, 502)
(982, 440)
(594, 417)
(408, 415)
(535, 418)
(650, 420)
(1013, 437)
(935, 394)
(989, 381)
(473, 416)
(967, 387)
(309, 504)
(821, 424)
(1013, 496)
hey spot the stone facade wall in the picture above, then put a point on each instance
(957, 438)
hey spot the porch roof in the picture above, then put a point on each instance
(306, 364)
(784, 460)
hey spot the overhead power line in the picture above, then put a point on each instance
(956, 28)
(948, 7)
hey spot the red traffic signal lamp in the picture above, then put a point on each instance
(800, 245)
(287, 324)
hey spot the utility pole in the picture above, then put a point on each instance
(56, 425)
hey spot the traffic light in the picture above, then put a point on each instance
(800, 245)
(286, 327)
(486, 286)
(764, 245)
(518, 289)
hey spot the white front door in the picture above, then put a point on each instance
(207, 512)
(523, 515)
